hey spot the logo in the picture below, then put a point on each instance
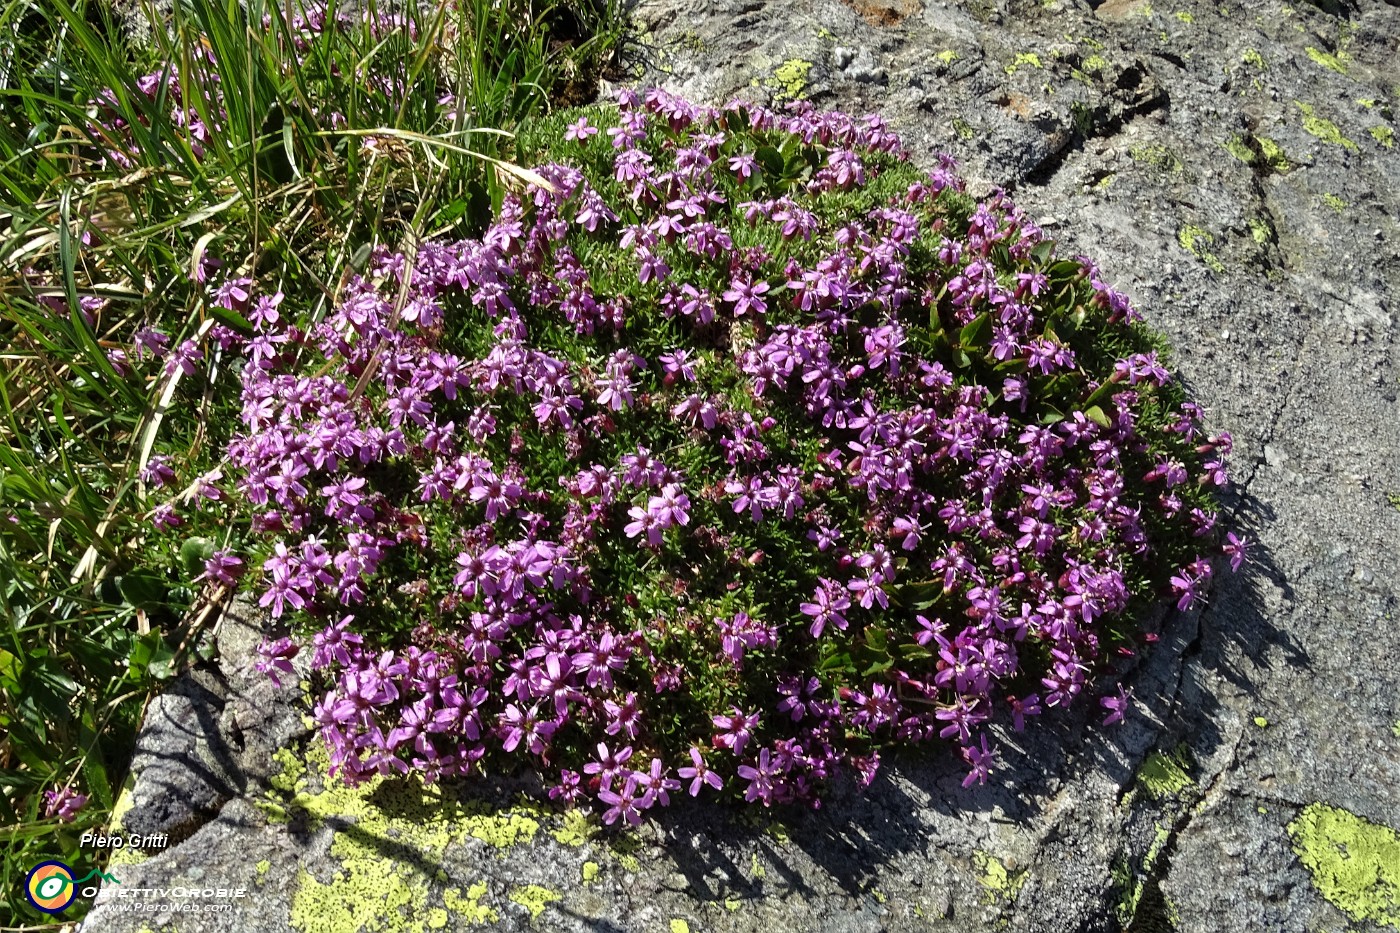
(51, 887)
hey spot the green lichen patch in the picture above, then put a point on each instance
(534, 898)
(1184, 16)
(1022, 60)
(1164, 775)
(625, 847)
(371, 889)
(1157, 156)
(1239, 148)
(469, 906)
(1383, 135)
(1198, 242)
(999, 883)
(1254, 58)
(1354, 863)
(947, 56)
(578, 827)
(590, 872)
(1260, 231)
(1337, 62)
(1260, 152)
(1273, 155)
(789, 79)
(1261, 722)
(1325, 130)
(679, 926)
(1334, 202)
(962, 128)
(293, 773)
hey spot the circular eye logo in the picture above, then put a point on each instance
(50, 886)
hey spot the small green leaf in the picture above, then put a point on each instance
(93, 768)
(9, 670)
(771, 160)
(142, 589)
(914, 652)
(977, 332)
(193, 553)
(836, 662)
(231, 319)
(879, 667)
(1096, 414)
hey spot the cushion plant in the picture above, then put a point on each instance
(734, 452)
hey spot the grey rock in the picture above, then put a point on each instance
(210, 737)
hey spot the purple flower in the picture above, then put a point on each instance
(655, 785)
(699, 774)
(64, 803)
(276, 655)
(164, 517)
(677, 363)
(829, 602)
(1237, 548)
(150, 343)
(335, 643)
(624, 716)
(1184, 586)
(609, 764)
(761, 778)
(626, 803)
(580, 131)
(223, 567)
(184, 358)
(1117, 706)
(157, 472)
(736, 728)
(746, 296)
(233, 293)
(980, 762)
(265, 314)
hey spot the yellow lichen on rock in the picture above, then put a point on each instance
(469, 907)
(998, 882)
(534, 898)
(1354, 863)
(789, 79)
(578, 827)
(369, 889)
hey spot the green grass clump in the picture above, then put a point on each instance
(252, 142)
